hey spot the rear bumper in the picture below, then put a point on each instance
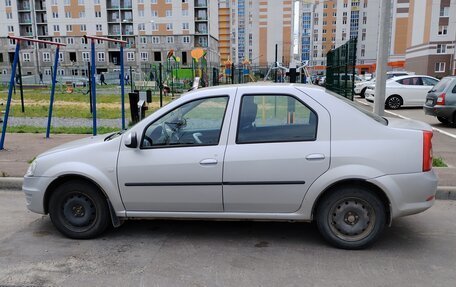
(409, 193)
(440, 111)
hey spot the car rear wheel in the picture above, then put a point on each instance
(394, 102)
(443, 120)
(79, 210)
(351, 218)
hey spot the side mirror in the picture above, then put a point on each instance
(131, 140)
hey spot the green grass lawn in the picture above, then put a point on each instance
(74, 105)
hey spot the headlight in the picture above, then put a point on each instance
(31, 169)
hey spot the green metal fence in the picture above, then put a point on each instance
(340, 69)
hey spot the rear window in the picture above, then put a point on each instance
(370, 114)
(442, 85)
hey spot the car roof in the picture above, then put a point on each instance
(410, 76)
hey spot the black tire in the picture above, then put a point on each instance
(393, 102)
(79, 210)
(443, 120)
(363, 93)
(351, 217)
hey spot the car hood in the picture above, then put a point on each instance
(408, 124)
(75, 144)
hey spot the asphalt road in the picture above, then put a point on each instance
(418, 250)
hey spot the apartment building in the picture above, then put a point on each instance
(150, 27)
(256, 27)
(423, 33)
(327, 24)
(431, 37)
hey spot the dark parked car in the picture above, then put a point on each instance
(441, 101)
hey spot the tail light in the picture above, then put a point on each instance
(427, 150)
(441, 99)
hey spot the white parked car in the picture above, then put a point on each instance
(407, 91)
(360, 87)
(277, 152)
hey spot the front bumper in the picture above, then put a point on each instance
(409, 193)
(34, 188)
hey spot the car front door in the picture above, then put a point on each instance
(178, 166)
(279, 144)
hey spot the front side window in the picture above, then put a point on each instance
(429, 81)
(275, 118)
(196, 123)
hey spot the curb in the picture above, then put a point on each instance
(15, 184)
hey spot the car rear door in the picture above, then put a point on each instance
(279, 144)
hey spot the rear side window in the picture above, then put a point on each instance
(275, 118)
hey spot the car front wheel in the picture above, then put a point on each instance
(351, 218)
(79, 210)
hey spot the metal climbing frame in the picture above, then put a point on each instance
(94, 85)
(13, 73)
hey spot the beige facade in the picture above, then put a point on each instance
(151, 28)
(257, 26)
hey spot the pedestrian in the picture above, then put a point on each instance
(102, 79)
(41, 78)
(127, 79)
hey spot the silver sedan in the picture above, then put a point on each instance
(247, 152)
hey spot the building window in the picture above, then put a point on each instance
(143, 40)
(26, 57)
(55, 2)
(155, 40)
(141, 13)
(443, 30)
(7, 3)
(101, 56)
(154, 27)
(83, 40)
(444, 11)
(169, 13)
(324, 31)
(67, 14)
(168, 1)
(157, 56)
(69, 28)
(144, 56)
(85, 56)
(154, 13)
(169, 39)
(9, 15)
(55, 15)
(142, 27)
(46, 57)
(185, 12)
(441, 48)
(83, 28)
(96, 2)
(99, 27)
(56, 28)
(70, 41)
(130, 56)
(186, 39)
(61, 57)
(61, 72)
(440, 67)
(185, 26)
(169, 26)
(66, 2)
(82, 14)
(47, 72)
(153, 1)
(10, 28)
(97, 14)
(81, 2)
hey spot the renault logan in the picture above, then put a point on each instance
(249, 152)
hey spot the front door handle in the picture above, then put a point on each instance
(208, 161)
(315, 156)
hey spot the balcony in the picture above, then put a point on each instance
(201, 4)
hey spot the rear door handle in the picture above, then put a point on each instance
(315, 156)
(208, 161)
